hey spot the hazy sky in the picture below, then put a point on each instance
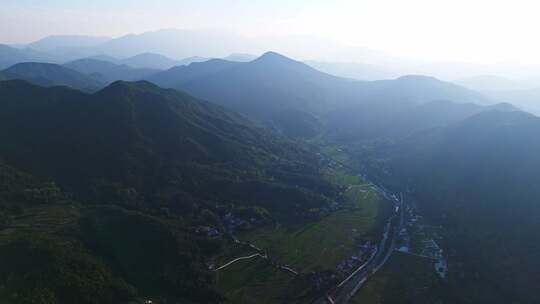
(484, 31)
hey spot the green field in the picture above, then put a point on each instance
(256, 281)
(313, 246)
(404, 279)
(341, 177)
(335, 153)
(41, 219)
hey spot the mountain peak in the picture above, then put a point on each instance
(130, 85)
(417, 77)
(273, 57)
(148, 55)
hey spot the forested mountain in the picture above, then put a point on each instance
(49, 74)
(108, 71)
(128, 130)
(116, 180)
(181, 74)
(476, 177)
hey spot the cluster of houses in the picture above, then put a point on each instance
(208, 231)
(404, 235)
(233, 222)
(328, 161)
(429, 248)
(404, 240)
(332, 207)
(441, 267)
(363, 253)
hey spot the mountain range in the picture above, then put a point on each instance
(271, 86)
(285, 95)
(107, 71)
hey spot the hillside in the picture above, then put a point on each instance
(141, 134)
(474, 177)
(366, 123)
(48, 74)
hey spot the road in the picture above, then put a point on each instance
(260, 253)
(239, 259)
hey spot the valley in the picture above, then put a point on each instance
(257, 179)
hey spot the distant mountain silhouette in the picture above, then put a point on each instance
(175, 43)
(525, 99)
(182, 74)
(354, 70)
(66, 42)
(150, 60)
(490, 83)
(240, 57)
(108, 71)
(10, 56)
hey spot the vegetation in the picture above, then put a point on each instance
(126, 176)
